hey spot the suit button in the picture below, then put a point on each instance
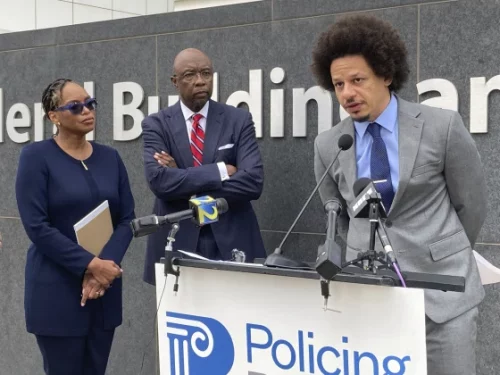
(388, 223)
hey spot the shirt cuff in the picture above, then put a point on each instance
(223, 171)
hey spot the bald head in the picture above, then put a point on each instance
(192, 77)
(187, 56)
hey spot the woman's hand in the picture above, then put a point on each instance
(91, 289)
(104, 271)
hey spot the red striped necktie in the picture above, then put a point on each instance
(197, 140)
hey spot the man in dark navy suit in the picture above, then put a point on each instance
(201, 147)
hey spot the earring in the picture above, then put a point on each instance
(56, 124)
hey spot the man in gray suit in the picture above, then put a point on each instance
(434, 190)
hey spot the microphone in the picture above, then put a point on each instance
(206, 209)
(276, 259)
(365, 189)
(360, 184)
(329, 260)
(333, 205)
(366, 193)
(202, 211)
(389, 252)
(386, 244)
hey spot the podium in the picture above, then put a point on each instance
(248, 319)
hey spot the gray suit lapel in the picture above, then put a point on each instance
(213, 131)
(181, 139)
(410, 132)
(347, 159)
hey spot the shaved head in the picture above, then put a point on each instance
(193, 78)
(187, 55)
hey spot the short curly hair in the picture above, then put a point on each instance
(376, 40)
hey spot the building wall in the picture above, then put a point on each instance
(453, 47)
(21, 15)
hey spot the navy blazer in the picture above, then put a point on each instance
(54, 191)
(226, 125)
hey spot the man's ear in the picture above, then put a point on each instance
(173, 79)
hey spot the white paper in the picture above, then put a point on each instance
(488, 272)
(192, 255)
(197, 256)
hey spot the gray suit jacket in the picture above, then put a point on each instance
(438, 209)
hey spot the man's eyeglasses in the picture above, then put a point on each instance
(76, 108)
(206, 75)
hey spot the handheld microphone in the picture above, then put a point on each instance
(203, 210)
(360, 184)
(276, 259)
(206, 209)
(382, 235)
(366, 193)
(329, 260)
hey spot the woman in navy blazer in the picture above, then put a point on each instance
(73, 300)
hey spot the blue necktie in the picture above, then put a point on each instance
(379, 165)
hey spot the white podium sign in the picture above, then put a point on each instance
(242, 323)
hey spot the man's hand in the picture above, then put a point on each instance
(91, 289)
(231, 169)
(104, 271)
(165, 159)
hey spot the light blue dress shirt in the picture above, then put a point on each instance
(388, 121)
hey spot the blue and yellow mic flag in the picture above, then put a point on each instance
(204, 210)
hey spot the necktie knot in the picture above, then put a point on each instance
(374, 129)
(197, 117)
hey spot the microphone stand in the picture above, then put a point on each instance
(276, 259)
(170, 255)
(372, 255)
(369, 257)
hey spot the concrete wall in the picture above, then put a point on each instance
(22, 15)
(456, 41)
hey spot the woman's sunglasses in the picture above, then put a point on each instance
(76, 108)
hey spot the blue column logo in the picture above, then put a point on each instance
(198, 344)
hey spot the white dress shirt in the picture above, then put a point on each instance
(188, 117)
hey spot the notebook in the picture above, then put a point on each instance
(95, 229)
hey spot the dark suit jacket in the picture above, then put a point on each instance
(54, 191)
(226, 125)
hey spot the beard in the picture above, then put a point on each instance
(198, 104)
(359, 118)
